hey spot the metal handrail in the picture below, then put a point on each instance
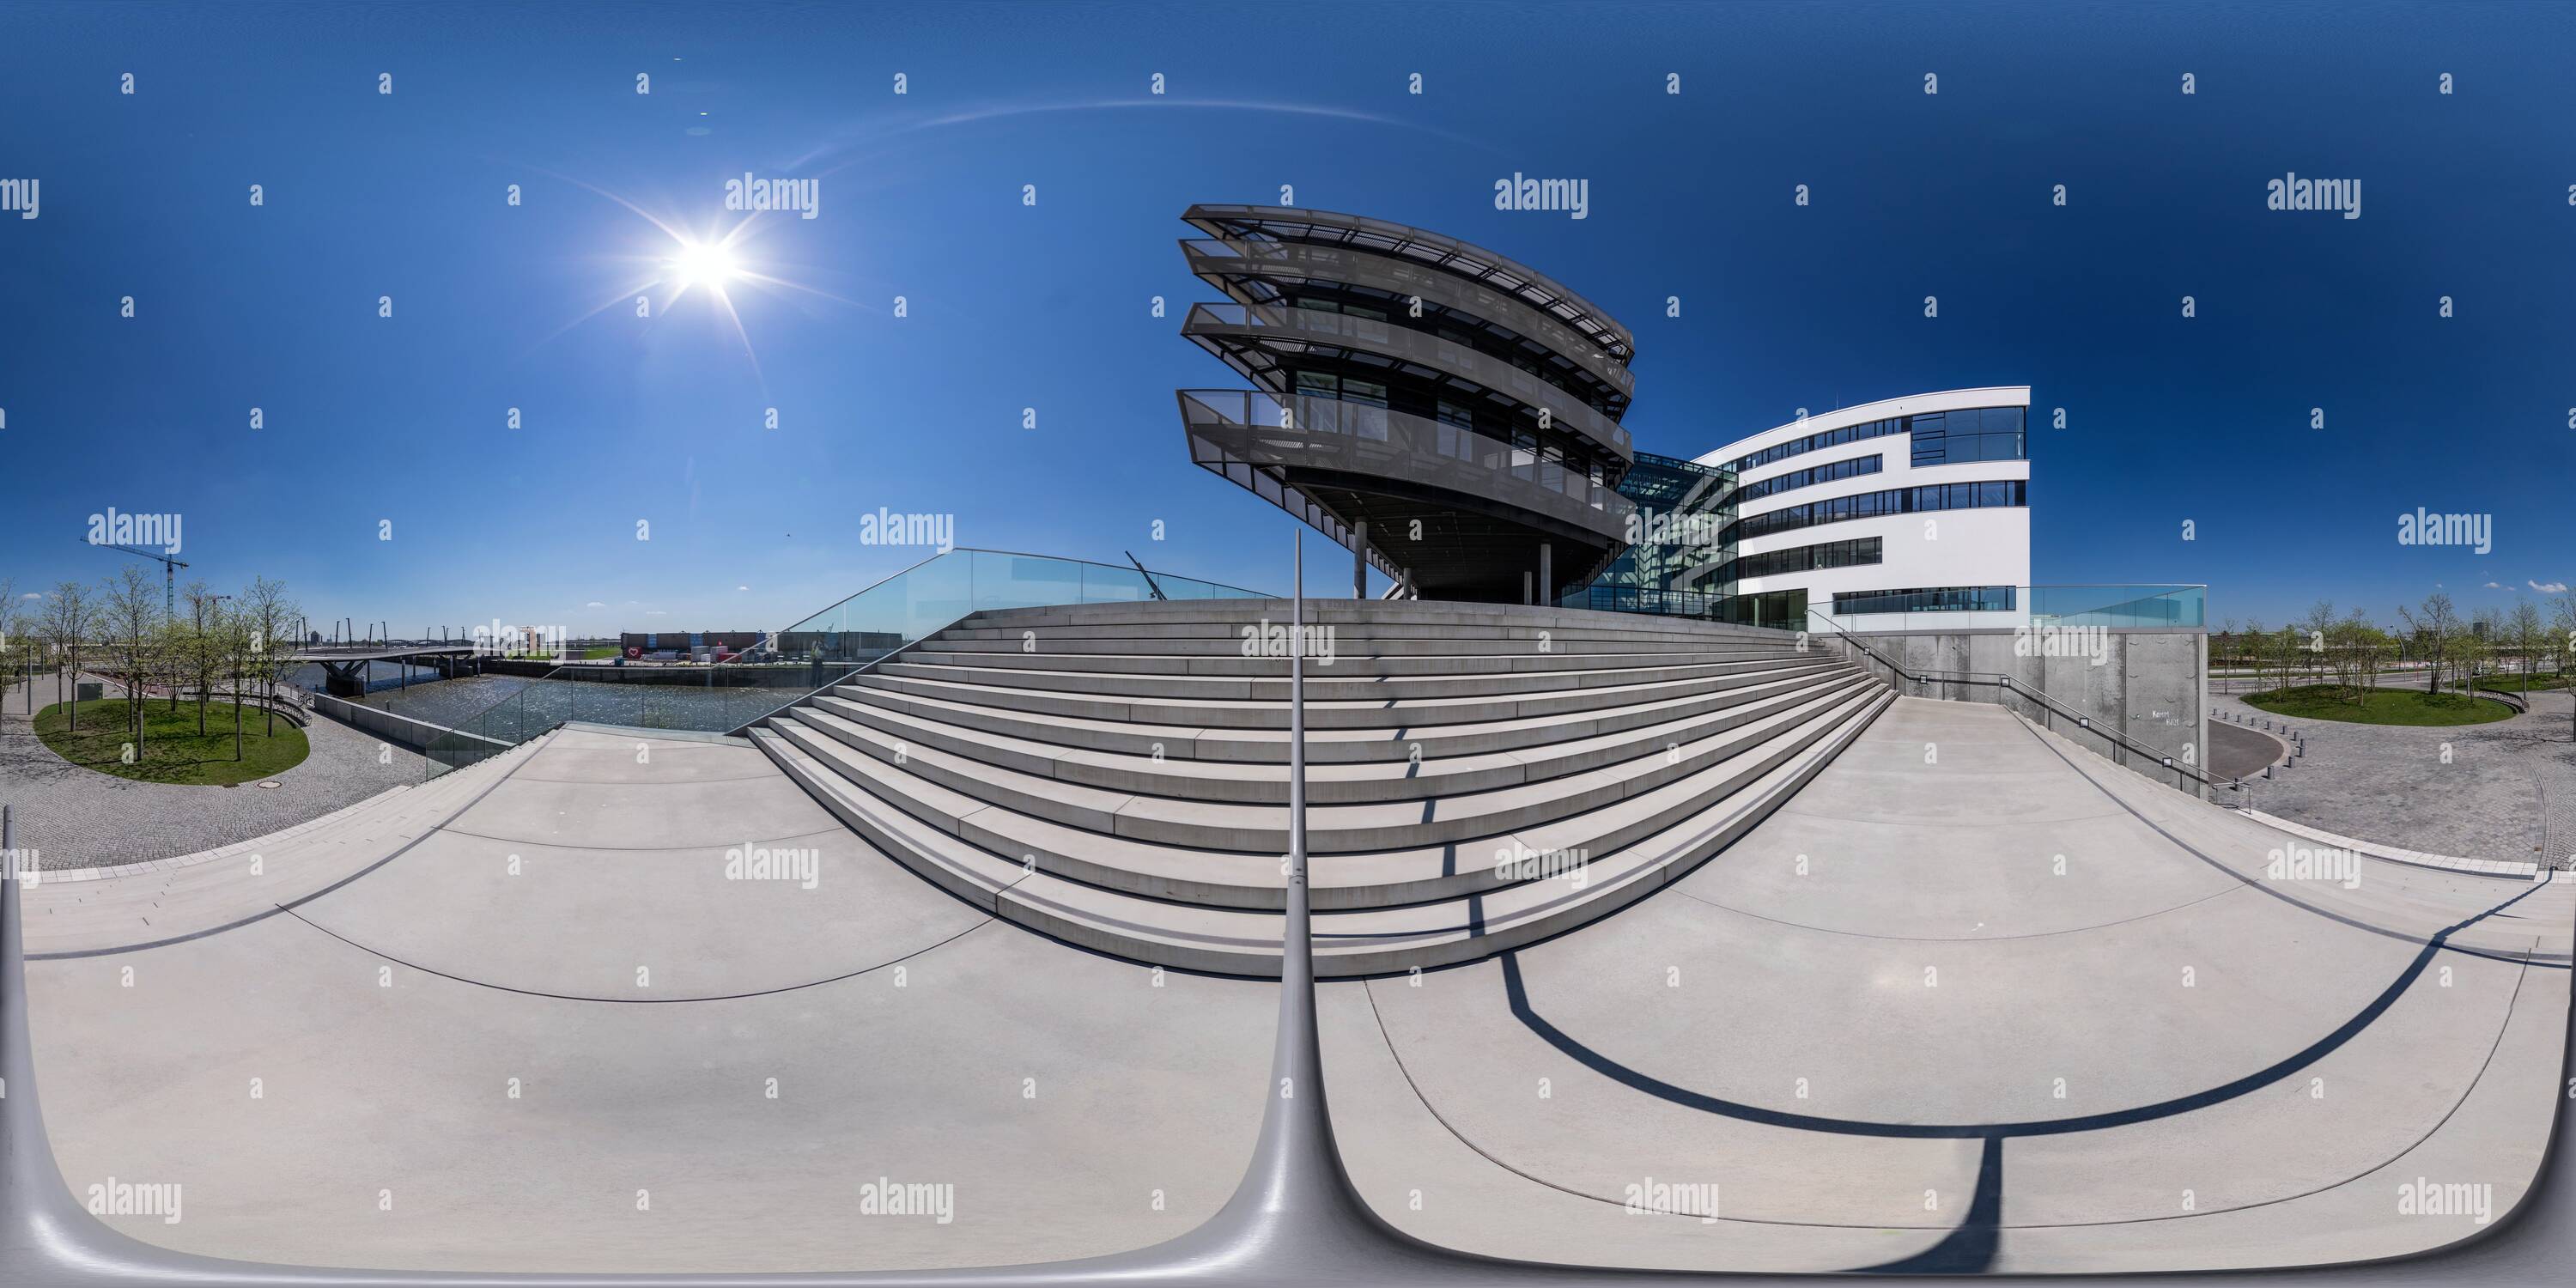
(1999, 678)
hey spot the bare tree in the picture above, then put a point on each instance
(2562, 635)
(131, 618)
(2318, 626)
(199, 637)
(2435, 627)
(2526, 630)
(69, 620)
(270, 617)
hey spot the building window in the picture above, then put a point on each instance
(1867, 505)
(1936, 599)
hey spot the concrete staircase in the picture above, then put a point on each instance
(1478, 776)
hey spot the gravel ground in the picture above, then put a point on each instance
(75, 817)
(2506, 790)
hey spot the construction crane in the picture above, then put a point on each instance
(169, 573)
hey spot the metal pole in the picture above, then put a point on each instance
(1359, 560)
(1296, 968)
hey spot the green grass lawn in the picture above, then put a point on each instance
(2382, 706)
(595, 654)
(2513, 683)
(172, 751)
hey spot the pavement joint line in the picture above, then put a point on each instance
(2284, 896)
(2399, 854)
(285, 907)
(1957, 939)
(632, 1001)
(636, 849)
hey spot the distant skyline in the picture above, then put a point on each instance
(469, 377)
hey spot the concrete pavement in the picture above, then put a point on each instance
(1890, 1023)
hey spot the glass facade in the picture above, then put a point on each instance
(1810, 476)
(1958, 437)
(1673, 542)
(1905, 500)
(1972, 423)
(1829, 554)
(1935, 599)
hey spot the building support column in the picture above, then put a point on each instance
(1547, 572)
(1359, 559)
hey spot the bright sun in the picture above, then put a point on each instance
(708, 262)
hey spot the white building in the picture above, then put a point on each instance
(1903, 506)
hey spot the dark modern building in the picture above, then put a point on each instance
(1451, 416)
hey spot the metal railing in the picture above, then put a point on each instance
(2048, 705)
(812, 656)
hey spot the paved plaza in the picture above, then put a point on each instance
(2505, 790)
(80, 818)
(606, 1003)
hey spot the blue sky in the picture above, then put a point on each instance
(371, 419)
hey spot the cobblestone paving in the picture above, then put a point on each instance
(75, 817)
(2508, 790)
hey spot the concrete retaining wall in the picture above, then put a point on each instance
(415, 734)
(2152, 685)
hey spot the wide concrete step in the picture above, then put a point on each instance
(1233, 663)
(1054, 693)
(1044, 751)
(1407, 743)
(1360, 635)
(1323, 683)
(1373, 615)
(1346, 644)
(1550, 894)
(1331, 828)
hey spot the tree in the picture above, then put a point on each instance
(2487, 635)
(2319, 624)
(270, 617)
(69, 619)
(2524, 627)
(11, 631)
(2562, 634)
(199, 646)
(131, 619)
(2434, 628)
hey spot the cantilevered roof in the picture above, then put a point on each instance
(1291, 223)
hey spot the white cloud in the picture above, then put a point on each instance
(39, 595)
(656, 612)
(2550, 587)
(594, 604)
(2495, 585)
(742, 588)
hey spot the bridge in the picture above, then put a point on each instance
(346, 666)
